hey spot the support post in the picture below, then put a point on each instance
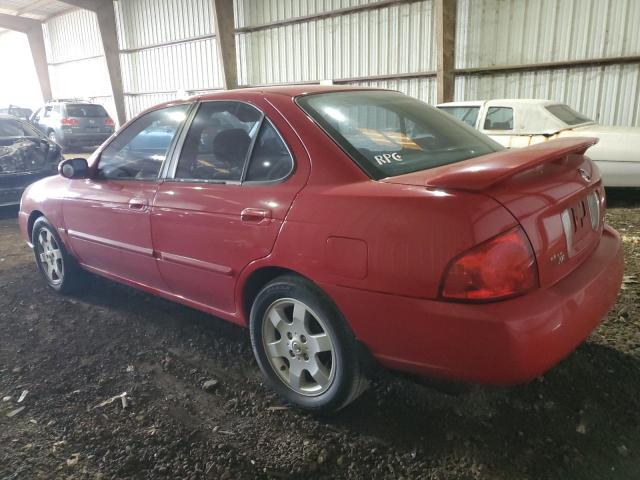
(226, 41)
(446, 45)
(108, 33)
(33, 29)
(109, 36)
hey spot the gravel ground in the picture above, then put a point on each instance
(72, 354)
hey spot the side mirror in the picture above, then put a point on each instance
(73, 168)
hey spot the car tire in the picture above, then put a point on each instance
(59, 269)
(304, 347)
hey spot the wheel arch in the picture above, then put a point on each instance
(33, 216)
(256, 280)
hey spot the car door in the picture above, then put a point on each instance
(108, 215)
(224, 199)
(36, 118)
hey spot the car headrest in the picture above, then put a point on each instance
(231, 145)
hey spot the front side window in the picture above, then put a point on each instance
(468, 115)
(218, 141)
(499, 118)
(137, 152)
(566, 114)
(389, 134)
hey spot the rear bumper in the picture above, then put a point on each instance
(69, 138)
(500, 343)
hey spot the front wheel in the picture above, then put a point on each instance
(304, 347)
(59, 269)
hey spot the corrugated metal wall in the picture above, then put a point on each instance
(76, 60)
(512, 32)
(167, 48)
(396, 39)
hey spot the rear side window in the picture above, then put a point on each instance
(138, 151)
(468, 115)
(218, 142)
(85, 110)
(388, 133)
(499, 118)
(270, 159)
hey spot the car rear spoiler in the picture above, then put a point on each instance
(483, 172)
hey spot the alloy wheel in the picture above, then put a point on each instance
(298, 346)
(50, 256)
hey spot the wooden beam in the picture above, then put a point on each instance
(109, 35)
(563, 65)
(226, 41)
(446, 46)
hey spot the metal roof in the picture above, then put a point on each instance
(36, 9)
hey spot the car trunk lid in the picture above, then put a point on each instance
(552, 189)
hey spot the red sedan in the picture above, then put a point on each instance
(340, 224)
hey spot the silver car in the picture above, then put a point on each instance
(74, 123)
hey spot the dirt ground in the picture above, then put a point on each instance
(580, 421)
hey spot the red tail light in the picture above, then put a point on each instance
(108, 122)
(502, 267)
(69, 121)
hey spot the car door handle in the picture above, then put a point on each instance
(138, 204)
(255, 215)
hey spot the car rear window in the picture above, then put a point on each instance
(566, 114)
(388, 133)
(86, 110)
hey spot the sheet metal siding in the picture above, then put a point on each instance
(154, 72)
(150, 22)
(504, 32)
(77, 66)
(395, 39)
(512, 32)
(72, 36)
(250, 13)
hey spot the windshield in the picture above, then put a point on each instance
(389, 134)
(87, 110)
(14, 128)
(465, 114)
(566, 114)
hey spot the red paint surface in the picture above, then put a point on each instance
(379, 249)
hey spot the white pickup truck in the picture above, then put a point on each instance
(520, 123)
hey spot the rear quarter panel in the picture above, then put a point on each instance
(387, 238)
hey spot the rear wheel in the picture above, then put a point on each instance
(58, 268)
(304, 347)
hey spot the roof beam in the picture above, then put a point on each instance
(18, 24)
(446, 46)
(33, 29)
(108, 33)
(226, 41)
